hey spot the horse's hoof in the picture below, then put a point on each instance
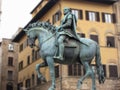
(51, 88)
(79, 85)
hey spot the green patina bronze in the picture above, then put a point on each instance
(62, 45)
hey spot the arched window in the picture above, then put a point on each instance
(81, 35)
(9, 86)
(94, 37)
(110, 41)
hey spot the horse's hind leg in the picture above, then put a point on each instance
(40, 76)
(93, 80)
(88, 72)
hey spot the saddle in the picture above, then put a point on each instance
(71, 49)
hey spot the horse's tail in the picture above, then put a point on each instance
(99, 66)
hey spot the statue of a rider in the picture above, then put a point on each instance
(67, 28)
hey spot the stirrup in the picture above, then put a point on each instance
(58, 57)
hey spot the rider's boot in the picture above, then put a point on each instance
(61, 51)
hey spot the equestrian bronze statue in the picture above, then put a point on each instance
(63, 45)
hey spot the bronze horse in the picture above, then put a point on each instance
(75, 52)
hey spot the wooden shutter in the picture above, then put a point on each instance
(103, 17)
(114, 18)
(87, 15)
(80, 14)
(97, 16)
(53, 19)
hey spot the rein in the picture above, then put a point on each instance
(48, 38)
(44, 41)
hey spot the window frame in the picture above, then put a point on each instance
(108, 17)
(10, 47)
(20, 65)
(56, 17)
(114, 71)
(10, 61)
(93, 16)
(94, 37)
(74, 70)
(10, 75)
(78, 13)
(110, 41)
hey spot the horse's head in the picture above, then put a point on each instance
(31, 37)
(33, 30)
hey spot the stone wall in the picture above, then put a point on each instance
(71, 83)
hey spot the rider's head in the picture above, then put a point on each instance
(67, 10)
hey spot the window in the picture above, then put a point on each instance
(94, 37)
(78, 13)
(74, 70)
(33, 79)
(10, 61)
(21, 65)
(21, 47)
(110, 41)
(108, 18)
(10, 47)
(36, 57)
(25, 43)
(56, 17)
(27, 83)
(28, 60)
(113, 71)
(38, 54)
(20, 85)
(81, 35)
(10, 75)
(33, 55)
(92, 16)
(56, 71)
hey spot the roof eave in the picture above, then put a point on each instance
(39, 15)
(104, 1)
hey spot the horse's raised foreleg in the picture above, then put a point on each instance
(50, 63)
(38, 66)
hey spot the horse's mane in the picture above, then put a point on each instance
(45, 25)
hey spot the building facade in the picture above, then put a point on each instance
(8, 65)
(117, 11)
(96, 20)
